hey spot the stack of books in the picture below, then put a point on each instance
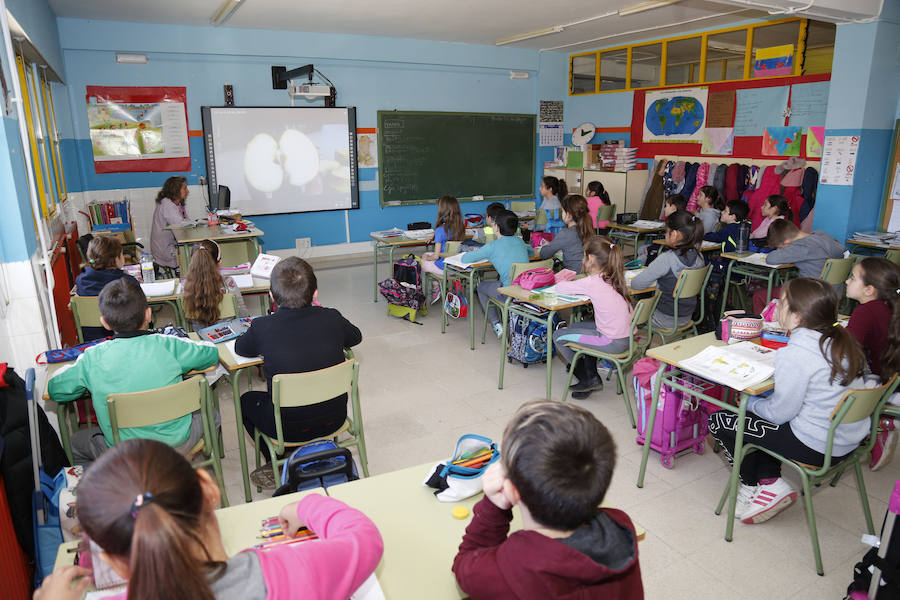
(109, 213)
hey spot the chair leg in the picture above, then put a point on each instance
(620, 379)
(484, 327)
(575, 358)
(811, 519)
(363, 455)
(863, 496)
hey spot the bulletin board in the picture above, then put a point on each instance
(890, 207)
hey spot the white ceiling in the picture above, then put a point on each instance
(468, 21)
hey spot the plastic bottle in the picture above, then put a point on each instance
(147, 273)
(743, 241)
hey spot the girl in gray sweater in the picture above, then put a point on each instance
(570, 241)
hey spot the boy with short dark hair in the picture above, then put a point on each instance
(298, 338)
(135, 360)
(502, 252)
(556, 464)
(735, 212)
(673, 203)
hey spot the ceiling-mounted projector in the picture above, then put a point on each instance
(309, 89)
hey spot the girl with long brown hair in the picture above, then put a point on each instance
(610, 330)
(570, 241)
(153, 516)
(449, 227)
(820, 362)
(205, 286)
(170, 211)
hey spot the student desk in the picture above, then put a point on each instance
(185, 236)
(259, 288)
(704, 247)
(671, 355)
(389, 244)
(748, 264)
(634, 234)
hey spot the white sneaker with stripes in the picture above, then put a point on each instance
(768, 501)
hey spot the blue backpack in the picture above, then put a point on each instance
(528, 340)
(317, 464)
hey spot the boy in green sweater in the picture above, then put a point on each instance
(135, 360)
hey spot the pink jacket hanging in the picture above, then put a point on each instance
(702, 178)
(769, 184)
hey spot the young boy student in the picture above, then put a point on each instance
(735, 212)
(135, 360)
(502, 252)
(556, 465)
(298, 338)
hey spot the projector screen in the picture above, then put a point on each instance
(280, 159)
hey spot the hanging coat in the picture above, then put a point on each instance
(702, 177)
(809, 187)
(690, 179)
(731, 182)
(769, 184)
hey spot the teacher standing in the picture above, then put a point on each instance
(170, 211)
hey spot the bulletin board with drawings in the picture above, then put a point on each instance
(890, 207)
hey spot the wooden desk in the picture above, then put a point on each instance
(879, 249)
(240, 525)
(383, 243)
(633, 234)
(185, 236)
(704, 247)
(741, 263)
(671, 355)
(260, 287)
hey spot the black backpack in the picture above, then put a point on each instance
(889, 564)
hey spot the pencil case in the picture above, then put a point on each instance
(771, 339)
(460, 476)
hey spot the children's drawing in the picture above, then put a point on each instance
(718, 140)
(815, 137)
(781, 141)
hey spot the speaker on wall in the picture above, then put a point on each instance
(224, 197)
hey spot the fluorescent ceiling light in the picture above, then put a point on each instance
(131, 59)
(224, 12)
(528, 35)
(639, 8)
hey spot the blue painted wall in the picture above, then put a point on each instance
(39, 22)
(18, 239)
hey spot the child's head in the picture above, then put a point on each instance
(105, 252)
(595, 189)
(493, 209)
(560, 458)
(203, 284)
(708, 197)
(551, 186)
(450, 217)
(782, 232)
(603, 257)
(735, 212)
(151, 513)
(507, 223)
(776, 205)
(575, 207)
(812, 304)
(874, 278)
(673, 203)
(293, 283)
(123, 306)
(683, 231)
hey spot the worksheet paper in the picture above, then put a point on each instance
(737, 366)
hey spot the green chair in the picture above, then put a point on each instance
(86, 312)
(290, 390)
(227, 309)
(893, 255)
(140, 409)
(450, 248)
(605, 213)
(623, 360)
(514, 271)
(691, 283)
(837, 270)
(855, 405)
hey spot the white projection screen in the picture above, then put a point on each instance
(282, 159)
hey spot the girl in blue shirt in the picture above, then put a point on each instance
(449, 227)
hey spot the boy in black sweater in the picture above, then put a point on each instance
(300, 337)
(735, 212)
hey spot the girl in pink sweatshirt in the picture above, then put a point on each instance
(609, 332)
(153, 515)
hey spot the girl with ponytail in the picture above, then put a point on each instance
(570, 241)
(605, 285)
(552, 189)
(205, 286)
(812, 373)
(152, 514)
(597, 196)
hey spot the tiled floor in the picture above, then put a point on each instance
(421, 390)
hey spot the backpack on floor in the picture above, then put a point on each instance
(408, 270)
(405, 287)
(317, 464)
(885, 557)
(456, 304)
(528, 340)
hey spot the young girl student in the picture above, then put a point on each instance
(775, 207)
(711, 207)
(570, 241)
(153, 516)
(105, 262)
(551, 190)
(684, 232)
(449, 227)
(605, 285)
(597, 196)
(819, 364)
(170, 210)
(205, 286)
(875, 284)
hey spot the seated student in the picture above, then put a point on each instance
(684, 232)
(812, 373)
(807, 251)
(775, 207)
(153, 516)
(735, 212)
(134, 361)
(205, 286)
(711, 207)
(502, 252)
(490, 219)
(298, 338)
(673, 203)
(875, 284)
(105, 262)
(597, 196)
(170, 210)
(449, 227)
(556, 465)
(570, 241)
(609, 332)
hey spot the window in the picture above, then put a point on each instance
(646, 64)
(766, 40)
(613, 70)
(725, 54)
(819, 48)
(584, 74)
(683, 61)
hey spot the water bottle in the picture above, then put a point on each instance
(147, 273)
(743, 241)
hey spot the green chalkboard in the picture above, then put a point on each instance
(424, 155)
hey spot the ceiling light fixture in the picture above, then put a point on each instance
(129, 58)
(224, 12)
(529, 35)
(643, 6)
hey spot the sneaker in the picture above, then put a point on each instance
(769, 500)
(744, 497)
(885, 443)
(498, 330)
(435, 293)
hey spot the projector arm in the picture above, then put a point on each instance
(280, 75)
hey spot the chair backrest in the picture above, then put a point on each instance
(313, 387)
(451, 247)
(858, 404)
(227, 309)
(86, 312)
(606, 213)
(521, 205)
(518, 268)
(642, 311)
(138, 409)
(836, 270)
(690, 282)
(893, 256)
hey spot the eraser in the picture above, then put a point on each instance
(460, 512)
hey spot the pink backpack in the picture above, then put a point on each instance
(535, 278)
(538, 236)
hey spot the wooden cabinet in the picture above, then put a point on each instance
(625, 188)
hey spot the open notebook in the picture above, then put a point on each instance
(456, 261)
(738, 366)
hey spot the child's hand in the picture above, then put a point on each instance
(288, 519)
(492, 482)
(58, 585)
(430, 256)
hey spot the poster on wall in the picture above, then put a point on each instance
(367, 147)
(781, 141)
(135, 129)
(839, 159)
(718, 140)
(815, 137)
(759, 107)
(675, 115)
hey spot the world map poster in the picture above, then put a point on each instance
(675, 115)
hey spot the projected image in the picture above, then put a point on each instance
(279, 160)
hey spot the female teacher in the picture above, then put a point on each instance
(170, 211)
